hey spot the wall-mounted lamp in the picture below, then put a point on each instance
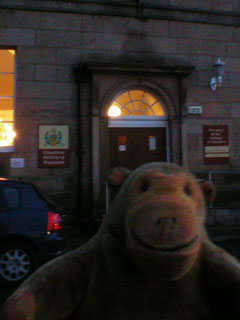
(216, 81)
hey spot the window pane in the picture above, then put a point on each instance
(12, 197)
(6, 85)
(6, 134)
(6, 109)
(149, 113)
(117, 104)
(157, 109)
(136, 113)
(7, 60)
(129, 106)
(137, 104)
(149, 99)
(125, 112)
(144, 107)
(123, 99)
(136, 94)
(6, 115)
(6, 103)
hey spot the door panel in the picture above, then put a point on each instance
(131, 147)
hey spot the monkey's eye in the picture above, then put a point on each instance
(144, 186)
(187, 190)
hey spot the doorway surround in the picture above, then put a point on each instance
(99, 84)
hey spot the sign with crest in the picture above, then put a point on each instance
(53, 146)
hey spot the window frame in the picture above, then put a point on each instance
(12, 148)
(8, 208)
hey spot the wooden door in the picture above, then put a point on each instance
(131, 147)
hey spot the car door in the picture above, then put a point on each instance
(4, 216)
(26, 215)
(11, 197)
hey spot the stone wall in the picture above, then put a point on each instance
(49, 44)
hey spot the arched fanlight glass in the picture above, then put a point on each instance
(136, 103)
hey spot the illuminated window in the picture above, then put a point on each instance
(7, 79)
(136, 103)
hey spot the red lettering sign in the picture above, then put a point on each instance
(53, 158)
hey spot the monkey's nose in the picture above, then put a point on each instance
(166, 227)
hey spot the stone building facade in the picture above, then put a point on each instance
(73, 60)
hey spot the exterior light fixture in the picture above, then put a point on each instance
(216, 81)
(114, 111)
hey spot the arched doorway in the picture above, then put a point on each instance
(100, 84)
(137, 129)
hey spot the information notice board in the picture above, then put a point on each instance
(216, 144)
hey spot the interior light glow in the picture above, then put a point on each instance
(114, 111)
(12, 52)
(7, 135)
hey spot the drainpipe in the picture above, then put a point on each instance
(170, 140)
(85, 208)
(80, 75)
(180, 103)
(182, 85)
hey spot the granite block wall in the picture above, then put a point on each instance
(50, 43)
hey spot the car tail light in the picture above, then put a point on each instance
(54, 222)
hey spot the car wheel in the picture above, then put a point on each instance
(17, 261)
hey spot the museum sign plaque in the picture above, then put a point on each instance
(53, 146)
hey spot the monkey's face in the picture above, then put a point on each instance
(164, 222)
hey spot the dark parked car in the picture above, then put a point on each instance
(31, 230)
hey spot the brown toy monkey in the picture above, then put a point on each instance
(151, 259)
(115, 180)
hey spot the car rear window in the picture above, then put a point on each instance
(12, 197)
(46, 200)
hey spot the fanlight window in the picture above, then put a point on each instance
(136, 103)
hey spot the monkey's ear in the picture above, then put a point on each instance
(208, 191)
(117, 176)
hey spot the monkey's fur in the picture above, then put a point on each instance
(151, 259)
